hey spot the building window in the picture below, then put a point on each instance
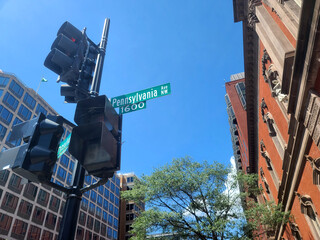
(9, 202)
(43, 198)
(274, 132)
(87, 180)
(30, 191)
(98, 212)
(4, 174)
(106, 193)
(82, 218)
(97, 226)
(109, 232)
(3, 131)
(117, 191)
(307, 208)
(110, 208)
(46, 235)
(92, 208)
(112, 197)
(59, 193)
(88, 235)
(61, 174)
(99, 200)
(270, 167)
(58, 224)
(84, 204)
(129, 217)
(104, 216)
(38, 215)
(19, 229)
(315, 164)
(116, 201)
(80, 233)
(63, 204)
(29, 101)
(118, 181)
(89, 222)
(115, 223)
(100, 189)
(54, 203)
(110, 220)
(51, 220)
(116, 212)
(5, 223)
(24, 113)
(129, 179)
(25, 209)
(64, 160)
(41, 109)
(15, 183)
(16, 89)
(71, 166)
(93, 196)
(69, 179)
(10, 101)
(115, 234)
(34, 233)
(103, 229)
(5, 115)
(241, 90)
(4, 81)
(128, 228)
(112, 187)
(105, 204)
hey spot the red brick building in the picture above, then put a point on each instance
(281, 62)
(237, 116)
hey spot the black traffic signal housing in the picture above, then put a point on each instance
(72, 57)
(36, 158)
(96, 141)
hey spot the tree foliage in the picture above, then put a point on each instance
(197, 201)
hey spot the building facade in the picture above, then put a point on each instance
(34, 211)
(237, 117)
(281, 61)
(128, 210)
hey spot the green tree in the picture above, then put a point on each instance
(196, 201)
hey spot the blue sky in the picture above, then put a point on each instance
(194, 45)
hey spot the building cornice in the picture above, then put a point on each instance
(251, 56)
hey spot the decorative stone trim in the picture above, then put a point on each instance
(252, 18)
(315, 164)
(306, 204)
(263, 107)
(271, 77)
(264, 60)
(295, 230)
(312, 120)
(277, 44)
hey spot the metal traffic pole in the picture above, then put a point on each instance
(71, 212)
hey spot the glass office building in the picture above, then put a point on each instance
(34, 211)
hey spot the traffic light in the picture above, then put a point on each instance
(96, 141)
(36, 158)
(72, 57)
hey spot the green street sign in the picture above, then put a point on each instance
(140, 96)
(132, 107)
(63, 146)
